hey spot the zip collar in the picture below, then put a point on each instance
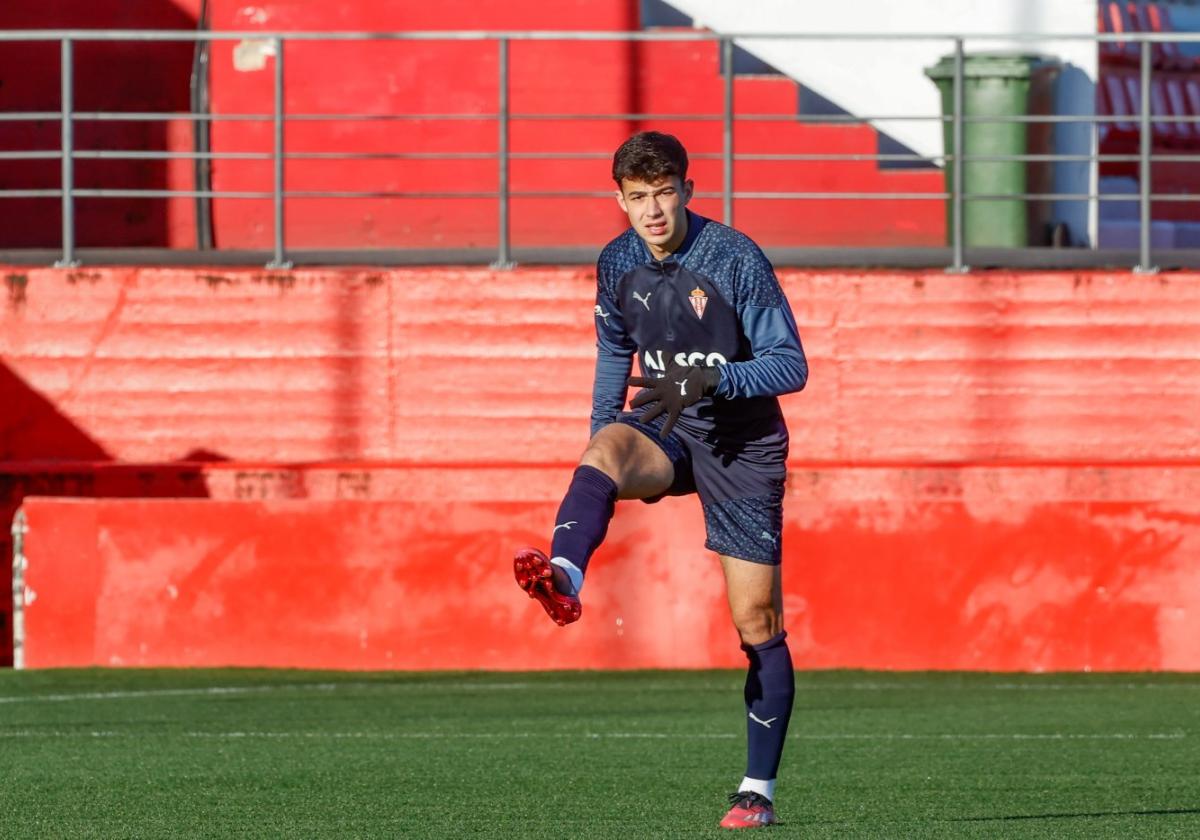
(695, 225)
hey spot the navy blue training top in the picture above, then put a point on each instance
(715, 301)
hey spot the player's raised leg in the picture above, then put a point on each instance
(620, 462)
(756, 604)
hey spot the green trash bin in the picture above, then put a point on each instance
(998, 85)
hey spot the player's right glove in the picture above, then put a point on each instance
(678, 388)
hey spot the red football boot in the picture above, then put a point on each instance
(750, 810)
(536, 577)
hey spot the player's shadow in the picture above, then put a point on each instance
(43, 452)
(108, 76)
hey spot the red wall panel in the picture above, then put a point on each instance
(1008, 569)
(476, 366)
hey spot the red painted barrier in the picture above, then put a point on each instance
(975, 568)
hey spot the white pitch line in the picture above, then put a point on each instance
(371, 736)
(868, 686)
(997, 736)
(157, 692)
(258, 689)
(667, 736)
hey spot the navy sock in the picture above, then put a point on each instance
(583, 519)
(770, 689)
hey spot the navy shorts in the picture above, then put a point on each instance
(739, 479)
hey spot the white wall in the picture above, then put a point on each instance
(887, 77)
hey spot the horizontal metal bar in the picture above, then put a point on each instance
(163, 116)
(30, 193)
(809, 257)
(593, 156)
(755, 195)
(32, 35)
(393, 155)
(852, 196)
(843, 156)
(1052, 197)
(386, 194)
(686, 117)
(120, 193)
(105, 154)
(473, 116)
(623, 117)
(23, 116)
(1156, 119)
(42, 155)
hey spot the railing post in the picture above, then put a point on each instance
(19, 565)
(504, 249)
(1145, 265)
(67, 69)
(727, 132)
(280, 259)
(957, 133)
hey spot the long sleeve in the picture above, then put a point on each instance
(614, 360)
(778, 365)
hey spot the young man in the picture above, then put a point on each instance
(700, 307)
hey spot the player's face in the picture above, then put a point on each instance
(656, 211)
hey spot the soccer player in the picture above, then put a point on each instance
(698, 304)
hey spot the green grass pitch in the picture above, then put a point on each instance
(257, 753)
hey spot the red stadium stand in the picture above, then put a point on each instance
(1115, 19)
(1152, 17)
(1174, 105)
(585, 79)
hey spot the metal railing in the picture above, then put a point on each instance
(279, 118)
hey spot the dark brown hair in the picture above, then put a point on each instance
(650, 156)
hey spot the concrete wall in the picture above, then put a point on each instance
(470, 365)
(996, 470)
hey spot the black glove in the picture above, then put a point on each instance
(679, 388)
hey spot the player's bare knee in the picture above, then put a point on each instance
(607, 452)
(756, 623)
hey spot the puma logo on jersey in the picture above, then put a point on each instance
(769, 537)
(600, 313)
(644, 301)
(767, 723)
(566, 525)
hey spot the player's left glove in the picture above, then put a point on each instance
(679, 388)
